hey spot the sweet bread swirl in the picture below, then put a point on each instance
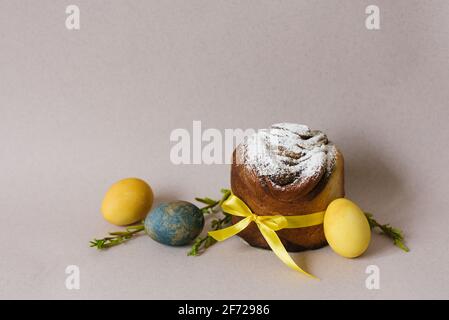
(287, 169)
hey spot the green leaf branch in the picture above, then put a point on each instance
(118, 237)
(396, 234)
(212, 207)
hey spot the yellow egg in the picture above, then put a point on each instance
(346, 228)
(127, 201)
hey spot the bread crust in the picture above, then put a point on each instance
(265, 198)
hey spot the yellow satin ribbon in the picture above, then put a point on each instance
(268, 225)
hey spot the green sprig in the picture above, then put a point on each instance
(116, 238)
(396, 234)
(213, 206)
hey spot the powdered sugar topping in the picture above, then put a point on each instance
(289, 153)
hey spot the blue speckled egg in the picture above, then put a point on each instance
(175, 223)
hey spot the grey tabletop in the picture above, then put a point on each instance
(81, 109)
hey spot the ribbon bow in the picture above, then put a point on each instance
(268, 225)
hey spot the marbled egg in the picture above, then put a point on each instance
(175, 223)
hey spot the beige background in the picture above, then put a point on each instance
(80, 110)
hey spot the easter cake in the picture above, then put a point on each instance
(287, 169)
